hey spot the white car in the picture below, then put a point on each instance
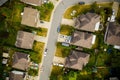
(45, 53)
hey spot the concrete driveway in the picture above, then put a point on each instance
(52, 33)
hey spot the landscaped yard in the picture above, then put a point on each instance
(81, 9)
(66, 30)
(62, 51)
(45, 11)
(42, 32)
(38, 48)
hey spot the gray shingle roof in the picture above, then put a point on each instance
(87, 21)
(24, 40)
(82, 39)
(20, 61)
(113, 34)
(77, 60)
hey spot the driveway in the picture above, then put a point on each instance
(52, 35)
(69, 22)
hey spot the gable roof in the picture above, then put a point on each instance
(2, 2)
(82, 39)
(112, 36)
(87, 21)
(32, 2)
(30, 17)
(16, 75)
(24, 40)
(77, 60)
(20, 61)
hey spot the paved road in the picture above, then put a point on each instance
(52, 37)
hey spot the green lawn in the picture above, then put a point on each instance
(81, 9)
(42, 32)
(66, 30)
(62, 51)
(38, 48)
(45, 11)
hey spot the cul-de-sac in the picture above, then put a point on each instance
(59, 39)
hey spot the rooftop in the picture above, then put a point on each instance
(32, 2)
(112, 36)
(24, 40)
(87, 21)
(30, 17)
(16, 75)
(20, 61)
(82, 39)
(77, 60)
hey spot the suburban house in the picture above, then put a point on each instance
(77, 60)
(24, 40)
(30, 17)
(83, 39)
(32, 2)
(2, 2)
(112, 36)
(16, 75)
(20, 61)
(87, 22)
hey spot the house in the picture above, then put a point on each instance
(83, 39)
(32, 2)
(16, 75)
(2, 2)
(30, 17)
(20, 61)
(24, 40)
(87, 22)
(112, 35)
(77, 60)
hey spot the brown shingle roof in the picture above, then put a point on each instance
(113, 34)
(77, 60)
(30, 17)
(16, 75)
(87, 22)
(24, 40)
(82, 39)
(20, 61)
(32, 2)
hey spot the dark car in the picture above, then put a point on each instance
(81, 3)
(58, 29)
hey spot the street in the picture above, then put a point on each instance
(52, 34)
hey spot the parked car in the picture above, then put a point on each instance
(58, 29)
(81, 3)
(45, 53)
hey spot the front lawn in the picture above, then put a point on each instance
(62, 51)
(42, 32)
(66, 30)
(37, 56)
(82, 9)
